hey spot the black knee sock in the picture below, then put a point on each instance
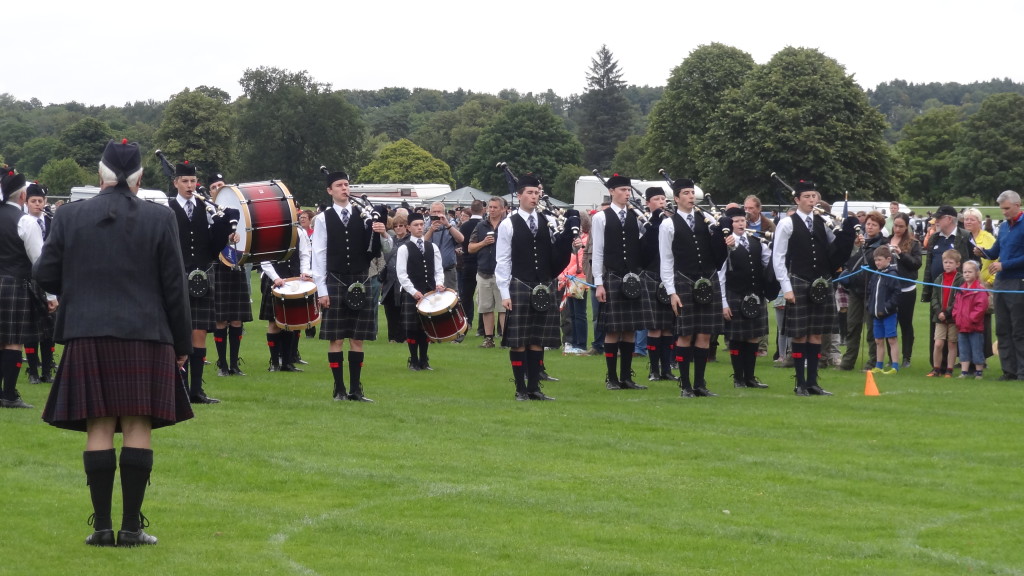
(700, 364)
(684, 356)
(626, 359)
(534, 364)
(749, 360)
(296, 336)
(100, 466)
(355, 371)
(611, 361)
(46, 349)
(424, 343)
(10, 366)
(275, 350)
(32, 355)
(800, 362)
(195, 367)
(518, 361)
(414, 351)
(136, 466)
(220, 341)
(336, 360)
(654, 353)
(813, 354)
(667, 353)
(234, 343)
(284, 347)
(736, 350)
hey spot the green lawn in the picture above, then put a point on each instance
(446, 474)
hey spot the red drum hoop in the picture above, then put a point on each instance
(441, 316)
(267, 224)
(295, 304)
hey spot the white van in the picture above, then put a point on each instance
(86, 192)
(590, 192)
(883, 207)
(395, 194)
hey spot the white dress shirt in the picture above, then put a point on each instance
(402, 268)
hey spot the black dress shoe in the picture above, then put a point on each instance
(538, 395)
(1007, 377)
(100, 538)
(235, 371)
(686, 393)
(801, 391)
(522, 397)
(669, 376)
(126, 539)
(817, 391)
(358, 397)
(273, 368)
(414, 365)
(16, 403)
(290, 368)
(339, 396)
(704, 392)
(653, 377)
(33, 379)
(738, 383)
(222, 370)
(611, 384)
(425, 365)
(630, 385)
(545, 377)
(202, 398)
(755, 383)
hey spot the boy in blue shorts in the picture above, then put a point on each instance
(883, 300)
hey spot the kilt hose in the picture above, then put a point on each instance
(698, 318)
(803, 317)
(339, 321)
(104, 377)
(621, 314)
(525, 326)
(19, 311)
(231, 300)
(741, 327)
(662, 317)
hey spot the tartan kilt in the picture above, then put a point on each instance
(662, 317)
(231, 295)
(203, 317)
(410, 315)
(620, 314)
(696, 318)
(804, 318)
(741, 327)
(267, 302)
(524, 326)
(103, 377)
(19, 311)
(339, 321)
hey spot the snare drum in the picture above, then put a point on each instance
(267, 224)
(295, 305)
(441, 316)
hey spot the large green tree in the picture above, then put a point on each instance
(289, 125)
(85, 140)
(404, 161)
(800, 115)
(924, 149)
(450, 135)
(529, 138)
(61, 175)
(990, 155)
(197, 127)
(605, 116)
(679, 121)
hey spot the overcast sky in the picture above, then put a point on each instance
(83, 52)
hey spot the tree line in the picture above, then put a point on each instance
(721, 119)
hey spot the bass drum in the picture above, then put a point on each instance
(441, 316)
(295, 305)
(268, 228)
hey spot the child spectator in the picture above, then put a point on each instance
(969, 315)
(883, 301)
(942, 315)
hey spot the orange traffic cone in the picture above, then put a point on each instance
(869, 385)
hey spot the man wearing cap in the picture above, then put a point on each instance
(660, 342)
(742, 279)
(947, 236)
(1008, 251)
(692, 250)
(232, 303)
(201, 237)
(617, 264)
(20, 243)
(806, 254)
(529, 259)
(35, 203)
(124, 321)
(343, 247)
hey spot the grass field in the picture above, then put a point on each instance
(446, 474)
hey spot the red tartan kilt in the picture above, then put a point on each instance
(103, 377)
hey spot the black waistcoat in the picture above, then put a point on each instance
(13, 260)
(807, 256)
(691, 249)
(347, 252)
(289, 268)
(194, 235)
(745, 273)
(621, 243)
(531, 255)
(420, 267)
